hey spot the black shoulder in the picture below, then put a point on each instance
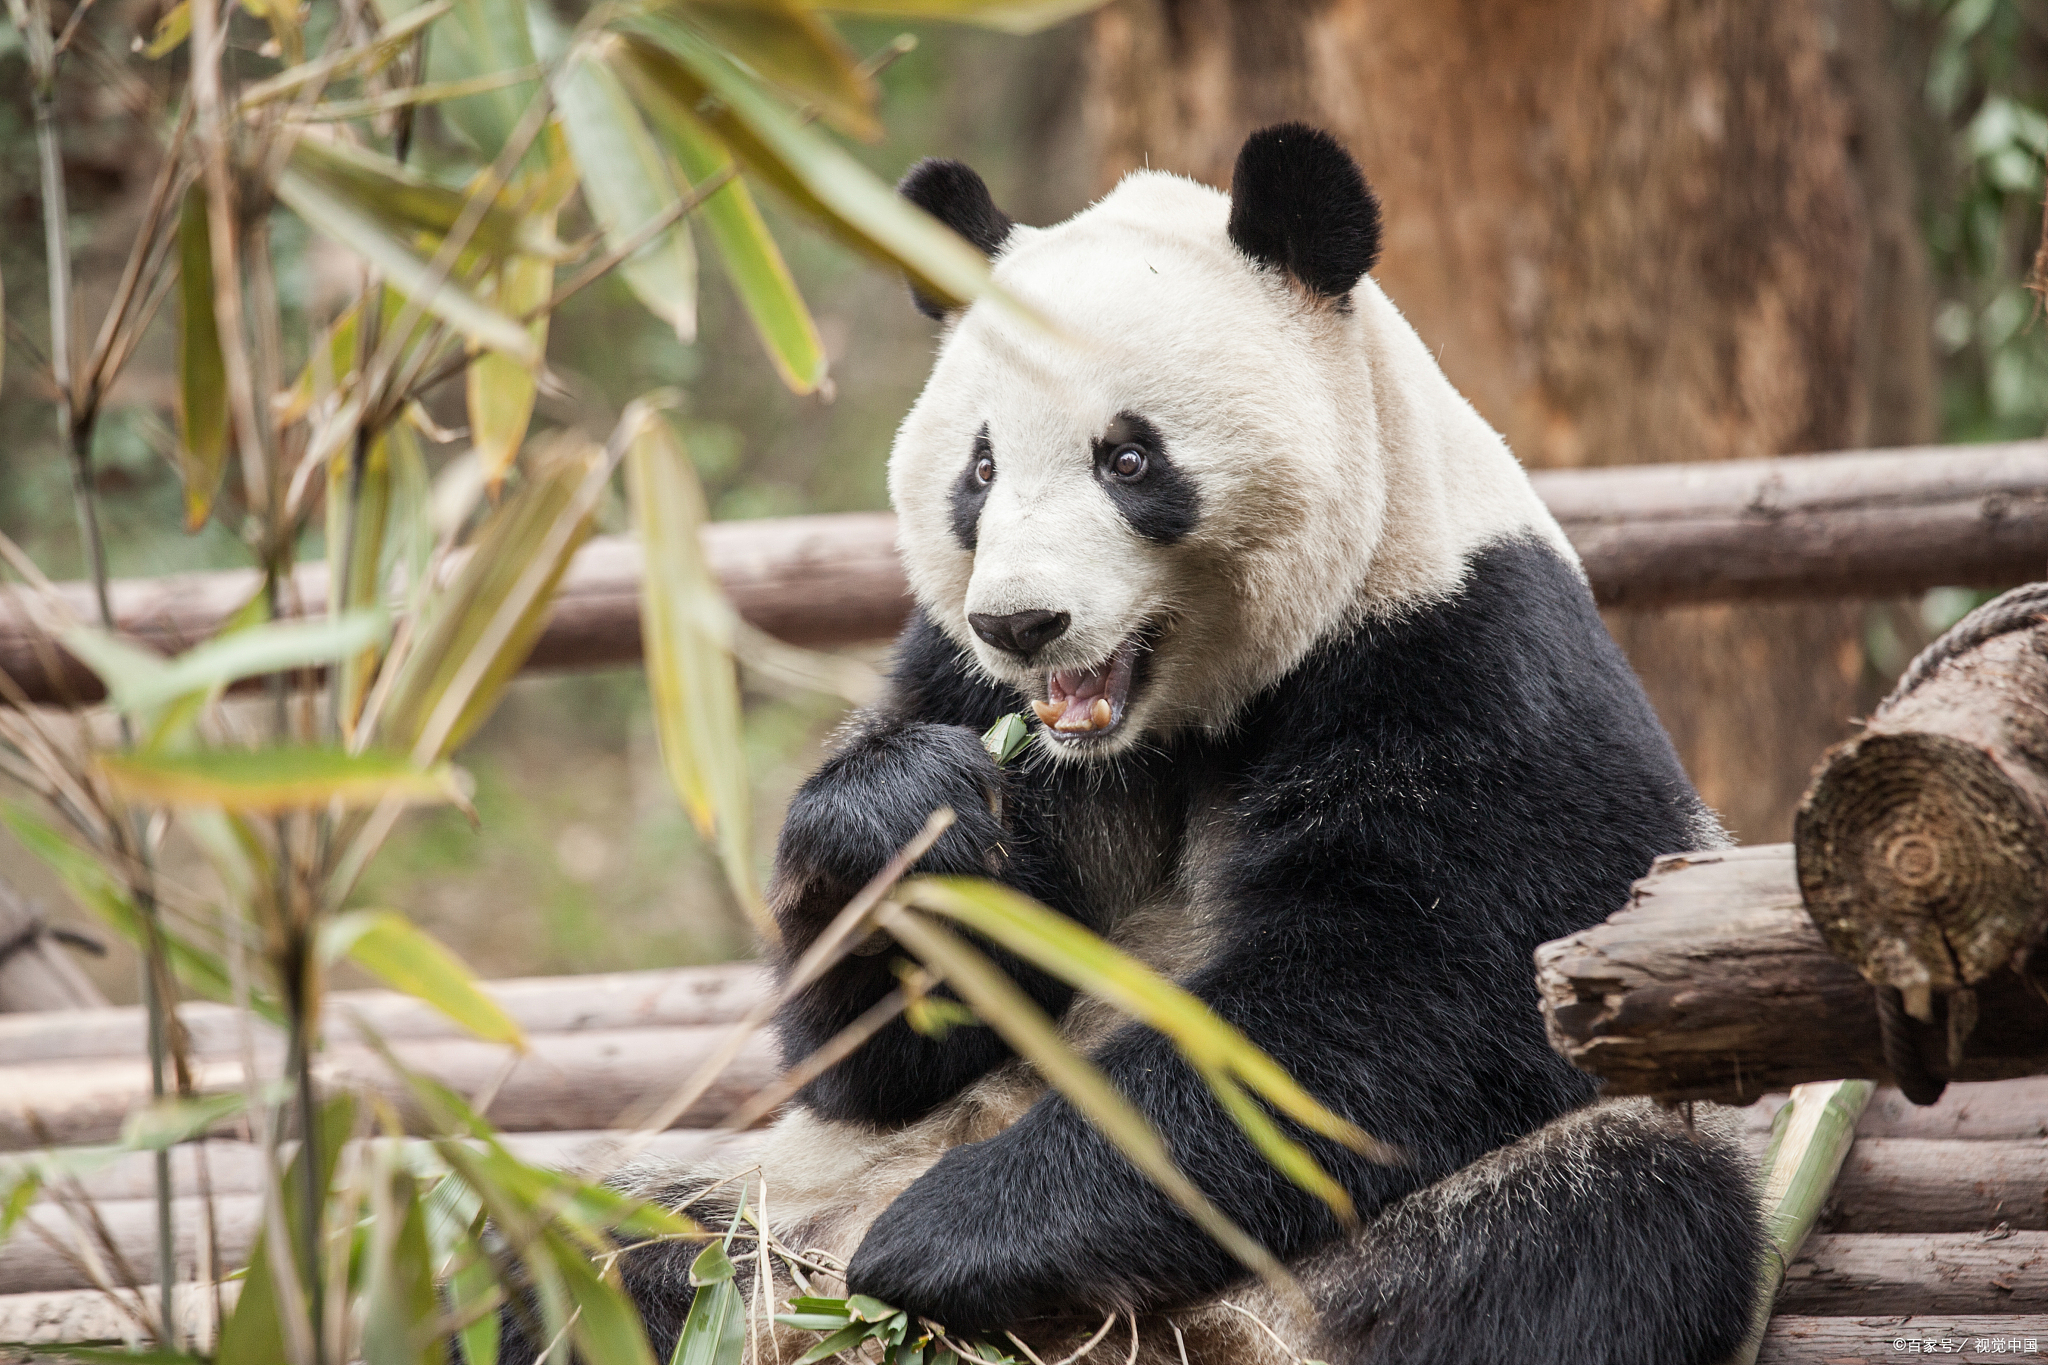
(932, 679)
(1499, 726)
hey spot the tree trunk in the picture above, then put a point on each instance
(1683, 227)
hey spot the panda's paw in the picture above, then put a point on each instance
(874, 797)
(951, 1273)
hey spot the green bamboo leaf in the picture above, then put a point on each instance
(473, 1291)
(285, 777)
(1006, 738)
(759, 274)
(168, 1122)
(606, 1330)
(500, 390)
(481, 38)
(407, 958)
(359, 497)
(789, 45)
(171, 31)
(272, 647)
(845, 1339)
(202, 451)
(389, 41)
(628, 183)
(672, 71)
(407, 202)
(399, 1298)
(254, 1332)
(20, 1183)
(365, 233)
(1065, 948)
(476, 632)
(1023, 1025)
(98, 891)
(712, 1266)
(686, 637)
(1010, 16)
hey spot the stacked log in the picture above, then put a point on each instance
(603, 1049)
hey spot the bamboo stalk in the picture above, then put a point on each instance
(1809, 1139)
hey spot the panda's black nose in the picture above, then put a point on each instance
(1022, 633)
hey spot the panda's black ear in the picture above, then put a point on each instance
(952, 193)
(1298, 201)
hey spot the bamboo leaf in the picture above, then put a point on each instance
(1010, 16)
(471, 1290)
(389, 42)
(606, 1329)
(478, 631)
(359, 495)
(407, 958)
(627, 183)
(1026, 1028)
(399, 1299)
(23, 1181)
(254, 1333)
(364, 233)
(792, 47)
(844, 1339)
(406, 201)
(1071, 952)
(173, 1120)
(202, 451)
(686, 637)
(759, 274)
(673, 72)
(481, 38)
(500, 390)
(252, 651)
(281, 778)
(715, 1331)
(171, 31)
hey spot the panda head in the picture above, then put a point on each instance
(1226, 447)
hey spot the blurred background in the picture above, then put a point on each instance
(1633, 233)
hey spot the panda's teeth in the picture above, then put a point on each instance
(1100, 713)
(1049, 713)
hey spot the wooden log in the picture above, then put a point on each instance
(567, 1081)
(1930, 1185)
(34, 1257)
(35, 972)
(83, 1316)
(1859, 523)
(1867, 1340)
(668, 997)
(1922, 845)
(2000, 1111)
(1841, 1274)
(235, 1167)
(1713, 984)
(825, 580)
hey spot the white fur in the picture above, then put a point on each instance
(1341, 476)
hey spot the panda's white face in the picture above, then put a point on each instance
(1143, 521)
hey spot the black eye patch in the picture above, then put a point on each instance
(970, 491)
(1154, 495)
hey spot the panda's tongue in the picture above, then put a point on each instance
(1087, 701)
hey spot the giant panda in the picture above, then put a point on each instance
(1327, 727)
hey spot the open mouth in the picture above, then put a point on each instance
(1088, 703)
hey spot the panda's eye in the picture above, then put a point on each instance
(1129, 463)
(985, 470)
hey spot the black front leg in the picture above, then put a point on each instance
(845, 824)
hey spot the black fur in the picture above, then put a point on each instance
(1163, 506)
(1298, 201)
(1411, 812)
(955, 195)
(970, 493)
